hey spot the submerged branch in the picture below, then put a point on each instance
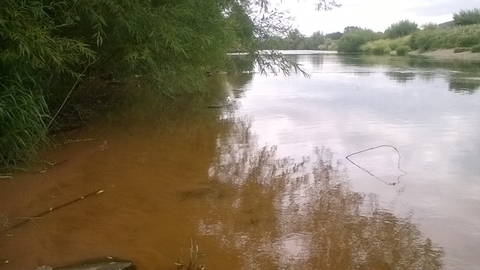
(95, 192)
(373, 175)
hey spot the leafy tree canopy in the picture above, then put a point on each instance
(351, 28)
(401, 29)
(334, 35)
(352, 40)
(467, 17)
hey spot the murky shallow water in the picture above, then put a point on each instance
(264, 183)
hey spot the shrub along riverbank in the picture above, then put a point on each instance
(462, 34)
(459, 38)
(48, 47)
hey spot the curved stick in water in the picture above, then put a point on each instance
(365, 170)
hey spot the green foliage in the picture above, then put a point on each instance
(383, 46)
(334, 35)
(476, 48)
(430, 26)
(385, 50)
(449, 38)
(23, 112)
(32, 58)
(367, 48)
(327, 45)
(467, 17)
(378, 48)
(401, 29)
(353, 40)
(315, 40)
(351, 28)
(403, 50)
(294, 41)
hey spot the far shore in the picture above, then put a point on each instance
(448, 54)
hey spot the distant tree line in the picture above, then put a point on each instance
(294, 40)
(355, 39)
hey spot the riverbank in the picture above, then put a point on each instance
(448, 54)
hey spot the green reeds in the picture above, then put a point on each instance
(23, 112)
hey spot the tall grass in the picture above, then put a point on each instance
(459, 36)
(23, 114)
(32, 61)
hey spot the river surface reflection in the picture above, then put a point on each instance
(264, 182)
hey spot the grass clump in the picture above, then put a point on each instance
(403, 50)
(23, 114)
(476, 48)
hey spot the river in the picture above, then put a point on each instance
(370, 163)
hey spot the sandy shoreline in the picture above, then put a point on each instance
(448, 54)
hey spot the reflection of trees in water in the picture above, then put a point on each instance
(427, 76)
(239, 82)
(149, 110)
(463, 85)
(295, 57)
(422, 67)
(316, 60)
(279, 213)
(240, 63)
(430, 64)
(352, 60)
(350, 231)
(400, 77)
(408, 62)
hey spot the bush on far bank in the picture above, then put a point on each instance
(353, 40)
(383, 46)
(401, 29)
(403, 50)
(459, 36)
(467, 17)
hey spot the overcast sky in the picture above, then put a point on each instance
(373, 14)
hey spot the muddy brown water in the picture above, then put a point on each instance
(264, 183)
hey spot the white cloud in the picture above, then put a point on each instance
(374, 14)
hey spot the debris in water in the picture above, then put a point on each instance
(369, 149)
(96, 264)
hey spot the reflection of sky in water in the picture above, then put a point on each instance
(352, 104)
